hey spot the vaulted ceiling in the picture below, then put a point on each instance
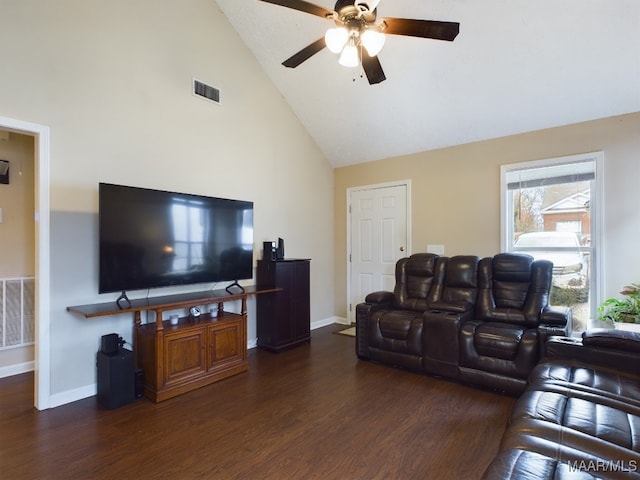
(516, 66)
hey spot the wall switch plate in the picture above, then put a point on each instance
(0, 215)
(437, 249)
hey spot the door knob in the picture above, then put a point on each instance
(402, 249)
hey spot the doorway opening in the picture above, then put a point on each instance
(17, 253)
(40, 133)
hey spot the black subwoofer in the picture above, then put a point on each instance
(116, 378)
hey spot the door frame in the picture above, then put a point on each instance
(42, 380)
(376, 186)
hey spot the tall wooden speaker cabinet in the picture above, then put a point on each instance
(283, 318)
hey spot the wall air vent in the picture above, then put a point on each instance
(203, 90)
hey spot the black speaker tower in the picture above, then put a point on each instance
(116, 374)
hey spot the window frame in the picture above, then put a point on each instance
(596, 213)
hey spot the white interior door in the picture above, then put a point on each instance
(378, 238)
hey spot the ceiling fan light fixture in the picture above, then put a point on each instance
(358, 29)
(349, 56)
(336, 39)
(372, 41)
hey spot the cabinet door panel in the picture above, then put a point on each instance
(285, 280)
(225, 344)
(300, 305)
(283, 317)
(184, 355)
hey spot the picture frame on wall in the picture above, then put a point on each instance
(4, 171)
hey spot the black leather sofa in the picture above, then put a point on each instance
(483, 321)
(580, 414)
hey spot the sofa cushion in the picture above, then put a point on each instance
(414, 278)
(396, 324)
(397, 331)
(578, 419)
(578, 451)
(523, 464)
(511, 277)
(498, 340)
(587, 378)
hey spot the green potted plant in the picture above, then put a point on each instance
(622, 311)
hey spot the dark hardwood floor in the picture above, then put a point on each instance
(314, 412)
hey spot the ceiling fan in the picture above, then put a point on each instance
(358, 28)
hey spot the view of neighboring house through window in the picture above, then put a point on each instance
(549, 211)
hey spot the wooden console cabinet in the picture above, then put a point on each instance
(283, 317)
(195, 352)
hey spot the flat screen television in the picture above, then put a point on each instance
(153, 238)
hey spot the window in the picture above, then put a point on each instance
(188, 225)
(549, 210)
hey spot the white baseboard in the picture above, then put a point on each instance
(17, 369)
(328, 321)
(72, 395)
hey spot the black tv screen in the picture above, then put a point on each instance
(152, 238)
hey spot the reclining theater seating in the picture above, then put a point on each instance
(488, 322)
(500, 346)
(392, 331)
(482, 321)
(580, 414)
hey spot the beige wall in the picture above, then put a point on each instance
(17, 232)
(456, 193)
(112, 81)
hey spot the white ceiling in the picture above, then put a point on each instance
(516, 66)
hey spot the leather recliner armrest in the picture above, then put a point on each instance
(374, 301)
(557, 316)
(600, 349)
(616, 339)
(554, 321)
(380, 297)
(460, 307)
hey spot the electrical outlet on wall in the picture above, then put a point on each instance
(437, 249)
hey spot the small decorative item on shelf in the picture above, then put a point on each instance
(195, 313)
(173, 319)
(623, 313)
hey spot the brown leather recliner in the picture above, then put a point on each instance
(389, 325)
(482, 321)
(501, 345)
(579, 415)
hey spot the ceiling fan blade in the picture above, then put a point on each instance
(304, 54)
(302, 6)
(373, 69)
(422, 28)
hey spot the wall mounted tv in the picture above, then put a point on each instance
(152, 238)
